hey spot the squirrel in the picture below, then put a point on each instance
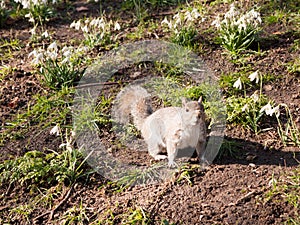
(169, 128)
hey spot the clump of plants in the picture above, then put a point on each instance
(183, 26)
(59, 67)
(237, 30)
(248, 110)
(96, 31)
(37, 11)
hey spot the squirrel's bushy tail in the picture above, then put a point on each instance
(135, 101)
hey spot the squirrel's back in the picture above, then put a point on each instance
(135, 101)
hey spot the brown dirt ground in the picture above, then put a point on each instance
(230, 191)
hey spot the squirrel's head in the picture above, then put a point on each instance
(193, 105)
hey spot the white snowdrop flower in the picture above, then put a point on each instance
(52, 46)
(267, 109)
(85, 29)
(52, 54)
(195, 13)
(254, 76)
(73, 133)
(276, 111)
(177, 20)
(94, 22)
(232, 13)
(25, 4)
(245, 108)
(29, 15)
(188, 16)
(2, 4)
(165, 21)
(67, 54)
(255, 96)
(217, 22)
(33, 53)
(45, 34)
(76, 25)
(117, 26)
(55, 130)
(66, 60)
(238, 84)
(38, 59)
(67, 145)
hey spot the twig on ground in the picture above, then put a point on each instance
(51, 212)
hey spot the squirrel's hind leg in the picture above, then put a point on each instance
(154, 148)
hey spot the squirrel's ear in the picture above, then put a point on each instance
(200, 100)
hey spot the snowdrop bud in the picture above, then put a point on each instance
(238, 84)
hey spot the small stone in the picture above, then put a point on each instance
(252, 165)
(268, 87)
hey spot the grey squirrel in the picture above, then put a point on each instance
(171, 128)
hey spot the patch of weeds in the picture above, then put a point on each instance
(139, 7)
(97, 31)
(187, 172)
(93, 118)
(288, 131)
(59, 67)
(183, 27)
(47, 110)
(7, 47)
(287, 186)
(141, 176)
(21, 212)
(169, 71)
(134, 215)
(296, 45)
(5, 70)
(294, 66)
(237, 30)
(229, 149)
(75, 215)
(166, 222)
(279, 16)
(36, 168)
(143, 30)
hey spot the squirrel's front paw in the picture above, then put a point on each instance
(172, 164)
